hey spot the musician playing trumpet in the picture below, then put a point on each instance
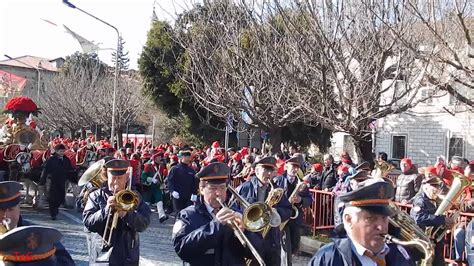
(102, 204)
(202, 234)
(298, 195)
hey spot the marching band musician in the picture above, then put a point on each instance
(365, 220)
(424, 208)
(124, 248)
(152, 180)
(257, 190)
(11, 218)
(289, 182)
(201, 234)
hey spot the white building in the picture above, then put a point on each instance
(439, 126)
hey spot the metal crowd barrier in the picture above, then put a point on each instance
(320, 218)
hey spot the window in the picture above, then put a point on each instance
(428, 95)
(399, 146)
(456, 147)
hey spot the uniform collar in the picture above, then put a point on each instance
(360, 250)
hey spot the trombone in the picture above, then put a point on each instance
(127, 200)
(242, 237)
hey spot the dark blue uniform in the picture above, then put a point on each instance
(340, 253)
(182, 180)
(125, 242)
(270, 247)
(61, 256)
(199, 239)
(423, 213)
(293, 227)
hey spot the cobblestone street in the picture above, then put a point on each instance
(155, 242)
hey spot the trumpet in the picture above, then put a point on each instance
(242, 237)
(127, 200)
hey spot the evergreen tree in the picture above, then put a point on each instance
(123, 58)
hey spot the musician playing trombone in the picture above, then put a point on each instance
(301, 198)
(123, 248)
(257, 189)
(201, 233)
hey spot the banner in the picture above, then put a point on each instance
(10, 83)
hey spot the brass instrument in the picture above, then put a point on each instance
(274, 196)
(127, 200)
(5, 225)
(382, 169)
(300, 186)
(426, 261)
(460, 182)
(256, 216)
(93, 175)
(242, 237)
(411, 234)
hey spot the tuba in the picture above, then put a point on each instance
(93, 175)
(127, 200)
(460, 182)
(411, 234)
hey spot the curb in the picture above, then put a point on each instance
(309, 245)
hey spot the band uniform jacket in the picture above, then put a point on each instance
(182, 180)
(339, 253)
(423, 212)
(199, 239)
(248, 191)
(306, 198)
(62, 256)
(125, 240)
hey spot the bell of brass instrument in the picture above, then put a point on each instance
(274, 196)
(127, 200)
(256, 216)
(93, 175)
(243, 238)
(411, 234)
(382, 169)
(460, 182)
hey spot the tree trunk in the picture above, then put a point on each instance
(119, 137)
(275, 138)
(363, 149)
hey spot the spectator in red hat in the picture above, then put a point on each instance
(237, 164)
(408, 183)
(314, 177)
(342, 173)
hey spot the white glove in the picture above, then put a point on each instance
(175, 195)
(149, 179)
(154, 180)
(194, 197)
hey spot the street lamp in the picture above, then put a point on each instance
(37, 69)
(69, 4)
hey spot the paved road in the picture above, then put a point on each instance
(155, 245)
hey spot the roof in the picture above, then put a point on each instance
(28, 61)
